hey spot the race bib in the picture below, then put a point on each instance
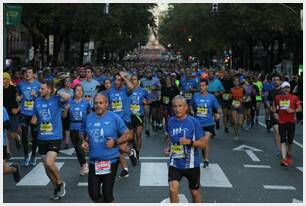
(188, 95)
(29, 105)
(166, 100)
(177, 151)
(77, 116)
(117, 106)
(46, 127)
(225, 96)
(135, 108)
(284, 104)
(102, 167)
(236, 103)
(202, 111)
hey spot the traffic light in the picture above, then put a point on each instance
(214, 8)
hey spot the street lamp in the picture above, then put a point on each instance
(189, 39)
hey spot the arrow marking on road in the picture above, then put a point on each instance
(182, 199)
(300, 168)
(244, 147)
(252, 156)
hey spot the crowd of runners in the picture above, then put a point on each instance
(105, 111)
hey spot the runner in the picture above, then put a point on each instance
(118, 96)
(225, 101)
(186, 137)
(90, 86)
(14, 168)
(277, 90)
(202, 106)
(188, 85)
(267, 87)
(28, 91)
(77, 108)
(102, 128)
(286, 105)
(259, 85)
(237, 93)
(137, 100)
(47, 115)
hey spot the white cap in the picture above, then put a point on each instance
(285, 84)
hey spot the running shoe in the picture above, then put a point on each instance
(206, 164)
(290, 159)
(16, 175)
(25, 162)
(123, 173)
(236, 138)
(33, 161)
(18, 141)
(217, 125)
(133, 157)
(284, 163)
(61, 190)
(147, 132)
(55, 195)
(226, 130)
(66, 146)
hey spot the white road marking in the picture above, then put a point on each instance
(296, 201)
(69, 151)
(213, 176)
(153, 174)
(244, 147)
(257, 166)
(252, 155)
(182, 199)
(278, 187)
(294, 141)
(83, 184)
(37, 176)
(300, 168)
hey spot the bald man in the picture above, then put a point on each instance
(186, 138)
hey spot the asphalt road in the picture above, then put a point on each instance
(243, 171)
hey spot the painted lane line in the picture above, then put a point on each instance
(153, 174)
(300, 168)
(213, 176)
(278, 187)
(182, 199)
(37, 176)
(83, 184)
(252, 155)
(296, 201)
(294, 141)
(257, 166)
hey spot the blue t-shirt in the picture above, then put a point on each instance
(101, 79)
(148, 85)
(48, 113)
(119, 102)
(191, 129)
(203, 106)
(5, 118)
(99, 129)
(215, 86)
(136, 101)
(186, 86)
(77, 114)
(27, 101)
(267, 87)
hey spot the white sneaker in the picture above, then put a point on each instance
(84, 169)
(236, 138)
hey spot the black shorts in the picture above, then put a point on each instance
(156, 104)
(247, 105)
(5, 155)
(193, 176)
(239, 110)
(211, 129)
(137, 120)
(273, 121)
(128, 125)
(49, 145)
(286, 132)
(65, 122)
(226, 104)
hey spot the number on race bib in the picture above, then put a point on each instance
(102, 167)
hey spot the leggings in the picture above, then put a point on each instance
(94, 184)
(77, 142)
(25, 122)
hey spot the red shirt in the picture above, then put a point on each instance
(284, 102)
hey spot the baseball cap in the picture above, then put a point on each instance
(285, 84)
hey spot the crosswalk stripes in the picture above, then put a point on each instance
(153, 174)
(37, 176)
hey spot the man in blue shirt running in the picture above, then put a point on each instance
(186, 137)
(47, 115)
(103, 128)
